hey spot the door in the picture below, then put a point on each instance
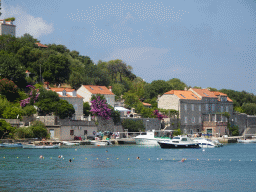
(52, 133)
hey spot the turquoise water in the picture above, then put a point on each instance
(230, 168)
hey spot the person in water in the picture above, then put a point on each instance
(70, 160)
(138, 158)
(41, 157)
(182, 160)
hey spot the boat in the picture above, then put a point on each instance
(150, 138)
(206, 143)
(41, 146)
(11, 145)
(246, 140)
(69, 143)
(178, 142)
(100, 142)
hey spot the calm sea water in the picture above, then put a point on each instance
(230, 168)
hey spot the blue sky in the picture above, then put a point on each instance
(203, 43)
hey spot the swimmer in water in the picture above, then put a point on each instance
(41, 157)
(182, 160)
(106, 150)
(70, 160)
(138, 158)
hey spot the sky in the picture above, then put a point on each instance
(205, 43)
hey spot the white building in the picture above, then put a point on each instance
(7, 27)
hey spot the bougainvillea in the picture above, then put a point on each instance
(9, 89)
(32, 98)
(158, 115)
(100, 108)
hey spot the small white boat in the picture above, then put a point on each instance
(246, 140)
(11, 145)
(41, 146)
(100, 142)
(150, 138)
(206, 143)
(178, 142)
(69, 143)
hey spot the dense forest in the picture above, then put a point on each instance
(56, 64)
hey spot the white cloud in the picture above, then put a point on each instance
(26, 23)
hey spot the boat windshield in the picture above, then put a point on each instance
(176, 137)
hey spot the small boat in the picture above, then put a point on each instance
(178, 142)
(246, 140)
(206, 143)
(150, 138)
(100, 142)
(11, 145)
(41, 146)
(69, 143)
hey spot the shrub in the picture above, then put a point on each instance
(133, 125)
(6, 130)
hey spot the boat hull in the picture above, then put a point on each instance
(246, 141)
(41, 146)
(142, 141)
(7, 145)
(177, 145)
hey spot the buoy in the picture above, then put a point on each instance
(208, 159)
(28, 157)
(128, 158)
(97, 158)
(51, 157)
(107, 158)
(149, 159)
(161, 159)
(73, 158)
(219, 159)
(85, 158)
(117, 158)
(17, 157)
(239, 160)
(63, 157)
(185, 159)
(197, 159)
(4, 157)
(173, 159)
(75, 149)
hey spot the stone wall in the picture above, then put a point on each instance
(14, 122)
(6, 29)
(108, 125)
(77, 104)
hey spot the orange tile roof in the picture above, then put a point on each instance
(183, 94)
(41, 45)
(219, 93)
(95, 89)
(67, 90)
(146, 104)
(204, 92)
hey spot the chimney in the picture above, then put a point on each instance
(46, 85)
(110, 88)
(185, 89)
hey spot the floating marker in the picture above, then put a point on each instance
(107, 158)
(73, 158)
(149, 159)
(117, 158)
(97, 158)
(17, 157)
(173, 159)
(85, 158)
(63, 157)
(197, 159)
(229, 159)
(208, 159)
(251, 160)
(4, 157)
(161, 159)
(51, 157)
(128, 158)
(219, 159)
(239, 160)
(28, 157)
(185, 159)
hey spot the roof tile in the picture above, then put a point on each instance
(95, 89)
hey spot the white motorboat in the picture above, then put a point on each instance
(150, 138)
(178, 142)
(206, 143)
(69, 143)
(100, 142)
(246, 140)
(11, 145)
(41, 146)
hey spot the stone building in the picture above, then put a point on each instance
(71, 96)
(7, 27)
(197, 106)
(87, 91)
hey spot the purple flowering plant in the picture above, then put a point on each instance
(32, 96)
(100, 108)
(159, 115)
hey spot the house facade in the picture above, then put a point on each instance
(87, 91)
(197, 106)
(7, 27)
(71, 96)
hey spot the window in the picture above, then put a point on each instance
(213, 118)
(185, 107)
(85, 132)
(213, 107)
(183, 96)
(193, 120)
(71, 132)
(107, 99)
(235, 119)
(206, 107)
(200, 120)
(206, 94)
(186, 120)
(226, 108)
(192, 107)
(199, 107)
(100, 88)
(221, 109)
(222, 119)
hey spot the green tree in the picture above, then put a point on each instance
(64, 109)
(6, 130)
(249, 108)
(9, 18)
(86, 108)
(118, 89)
(13, 113)
(39, 130)
(115, 115)
(11, 68)
(4, 103)
(177, 84)
(29, 110)
(156, 88)
(9, 89)
(133, 125)
(131, 99)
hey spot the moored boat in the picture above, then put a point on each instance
(206, 143)
(11, 145)
(150, 138)
(69, 143)
(178, 142)
(246, 140)
(41, 146)
(100, 142)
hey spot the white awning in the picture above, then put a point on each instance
(121, 109)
